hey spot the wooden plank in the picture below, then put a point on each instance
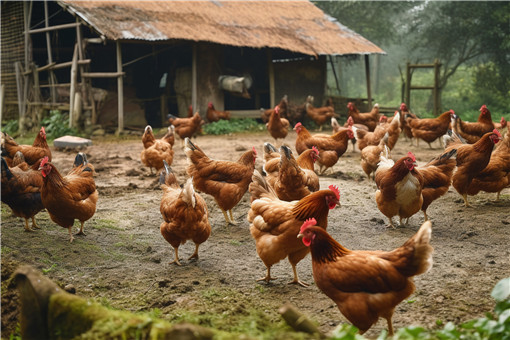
(416, 87)
(103, 74)
(53, 28)
(70, 63)
(120, 88)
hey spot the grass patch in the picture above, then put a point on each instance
(102, 224)
(225, 127)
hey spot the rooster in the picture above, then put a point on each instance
(399, 187)
(472, 132)
(275, 223)
(366, 285)
(69, 197)
(32, 153)
(184, 213)
(471, 160)
(21, 190)
(214, 115)
(225, 181)
(156, 150)
(370, 119)
(277, 126)
(430, 129)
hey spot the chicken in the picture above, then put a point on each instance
(471, 160)
(69, 197)
(319, 115)
(371, 155)
(406, 129)
(21, 190)
(370, 119)
(501, 126)
(169, 136)
(472, 132)
(437, 178)
(292, 182)
(330, 147)
(187, 127)
(365, 138)
(366, 285)
(430, 129)
(225, 181)
(184, 213)
(214, 115)
(399, 187)
(496, 175)
(277, 126)
(350, 122)
(282, 105)
(190, 111)
(274, 224)
(306, 161)
(32, 153)
(155, 150)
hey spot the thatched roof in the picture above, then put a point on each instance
(297, 26)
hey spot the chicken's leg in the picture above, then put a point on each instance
(391, 223)
(195, 254)
(390, 326)
(232, 221)
(81, 229)
(296, 279)
(34, 225)
(268, 277)
(466, 203)
(226, 216)
(71, 238)
(425, 215)
(27, 228)
(176, 261)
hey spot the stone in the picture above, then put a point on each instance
(71, 142)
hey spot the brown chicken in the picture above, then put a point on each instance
(319, 115)
(471, 160)
(370, 119)
(331, 148)
(496, 175)
(430, 129)
(277, 126)
(501, 126)
(21, 191)
(437, 178)
(184, 213)
(365, 138)
(32, 153)
(350, 122)
(275, 224)
(214, 115)
(406, 129)
(187, 127)
(399, 187)
(366, 285)
(282, 105)
(371, 155)
(472, 132)
(292, 182)
(225, 181)
(69, 197)
(155, 151)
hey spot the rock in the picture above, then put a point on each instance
(71, 142)
(99, 132)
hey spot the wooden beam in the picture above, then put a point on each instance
(53, 93)
(2, 103)
(53, 28)
(193, 79)
(70, 63)
(103, 74)
(367, 73)
(120, 88)
(19, 86)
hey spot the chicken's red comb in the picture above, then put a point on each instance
(403, 106)
(44, 161)
(254, 151)
(314, 149)
(502, 120)
(349, 104)
(43, 130)
(483, 108)
(350, 121)
(335, 189)
(383, 117)
(277, 109)
(411, 155)
(452, 112)
(308, 223)
(297, 125)
(497, 132)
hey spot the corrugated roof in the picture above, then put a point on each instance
(297, 26)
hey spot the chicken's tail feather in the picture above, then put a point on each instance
(167, 176)
(259, 187)
(6, 172)
(422, 258)
(269, 148)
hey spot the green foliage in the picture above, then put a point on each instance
(10, 127)
(57, 125)
(224, 127)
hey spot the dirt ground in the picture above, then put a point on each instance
(123, 259)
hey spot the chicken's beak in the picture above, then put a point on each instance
(300, 235)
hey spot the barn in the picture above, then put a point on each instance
(124, 64)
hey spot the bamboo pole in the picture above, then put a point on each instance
(74, 75)
(53, 91)
(52, 28)
(120, 88)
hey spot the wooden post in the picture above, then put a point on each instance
(193, 79)
(19, 87)
(367, 73)
(120, 89)
(437, 104)
(408, 85)
(74, 75)
(334, 73)
(50, 57)
(270, 68)
(2, 97)
(37, 93)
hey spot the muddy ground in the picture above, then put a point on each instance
(123, 259)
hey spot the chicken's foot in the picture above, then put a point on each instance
(176, 261)
(426, 216)
(81, 230)
(71, 238)
(390, 326)
(195, 254)
(466, 203)
(391, 224)
(268, 277)
(232, 221)
(296, 279)
(27, 228)
(34, 225)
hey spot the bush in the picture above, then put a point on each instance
(224, 127)
(10, 127)
(57, 125)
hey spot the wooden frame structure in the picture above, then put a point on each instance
(436, 89)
